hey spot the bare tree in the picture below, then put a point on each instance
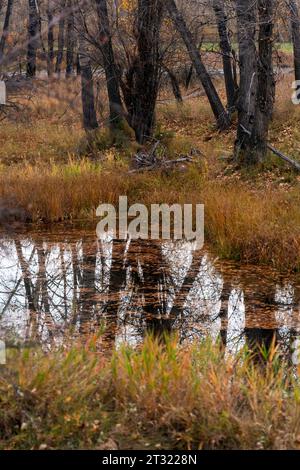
(295, 27)
(257, 85)
(50, 55)
(174, 84)
(113, 90)
(33, 36)
(5, 28)
(70, 39)
(225, 48)
(142, 80)
(87, 82)
(246, 19)
(266, 84)
(61, 37)
(217, 107)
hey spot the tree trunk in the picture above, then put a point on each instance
(225, 48)
(112, 81)
(78, 71)
(87, 82)
(143, 76)
(33, 35)
(70, 39)
(246, 18)
(5, 28)
(175, 85)
(61, 38)
(295, 26)
(189, 76)
(218, 109)
(50, 55)
(266, 84)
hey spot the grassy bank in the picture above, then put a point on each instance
(255, 226)
(155, 397)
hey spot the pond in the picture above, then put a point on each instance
(57, 283)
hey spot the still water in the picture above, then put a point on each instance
(53, 282)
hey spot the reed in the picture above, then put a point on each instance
(160, 395)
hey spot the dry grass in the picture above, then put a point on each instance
(257, 226)
(159, 396)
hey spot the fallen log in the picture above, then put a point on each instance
(164, 164)
(149, 161)
(279, 154)
(284, 157)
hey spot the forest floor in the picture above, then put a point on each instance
(158, 396)
(49, 173)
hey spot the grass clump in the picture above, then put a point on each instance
(261, 226)
(157, 396)
(120, 137)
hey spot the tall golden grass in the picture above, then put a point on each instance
(158, 396)
(261, 226)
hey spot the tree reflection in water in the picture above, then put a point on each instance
(71, 284)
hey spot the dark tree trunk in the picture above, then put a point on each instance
(33, 36)
(175, 84)
(266, 84)
(225, 48)
(246, 18)
(5, 28)
(295, 26)
(88, 99)
(61, 38)
(143, 76)
(218, 109)
(87, 298)
(70, 39)
(87, 82)
(50, 55)
(189, 76)
(112, 81)
(78, 70)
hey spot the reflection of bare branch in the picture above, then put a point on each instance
(187, 283)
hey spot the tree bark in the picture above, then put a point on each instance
(174, 83)
(189, 76)
(5, 28)
(295, 26)
(87, 82)
(225, 48)
(112, 81)
(266, 84)
(217, 107)
(246, 19)
(142, 80)
(61, 38)
(70, 39)
(33, 35)
(50, 55)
